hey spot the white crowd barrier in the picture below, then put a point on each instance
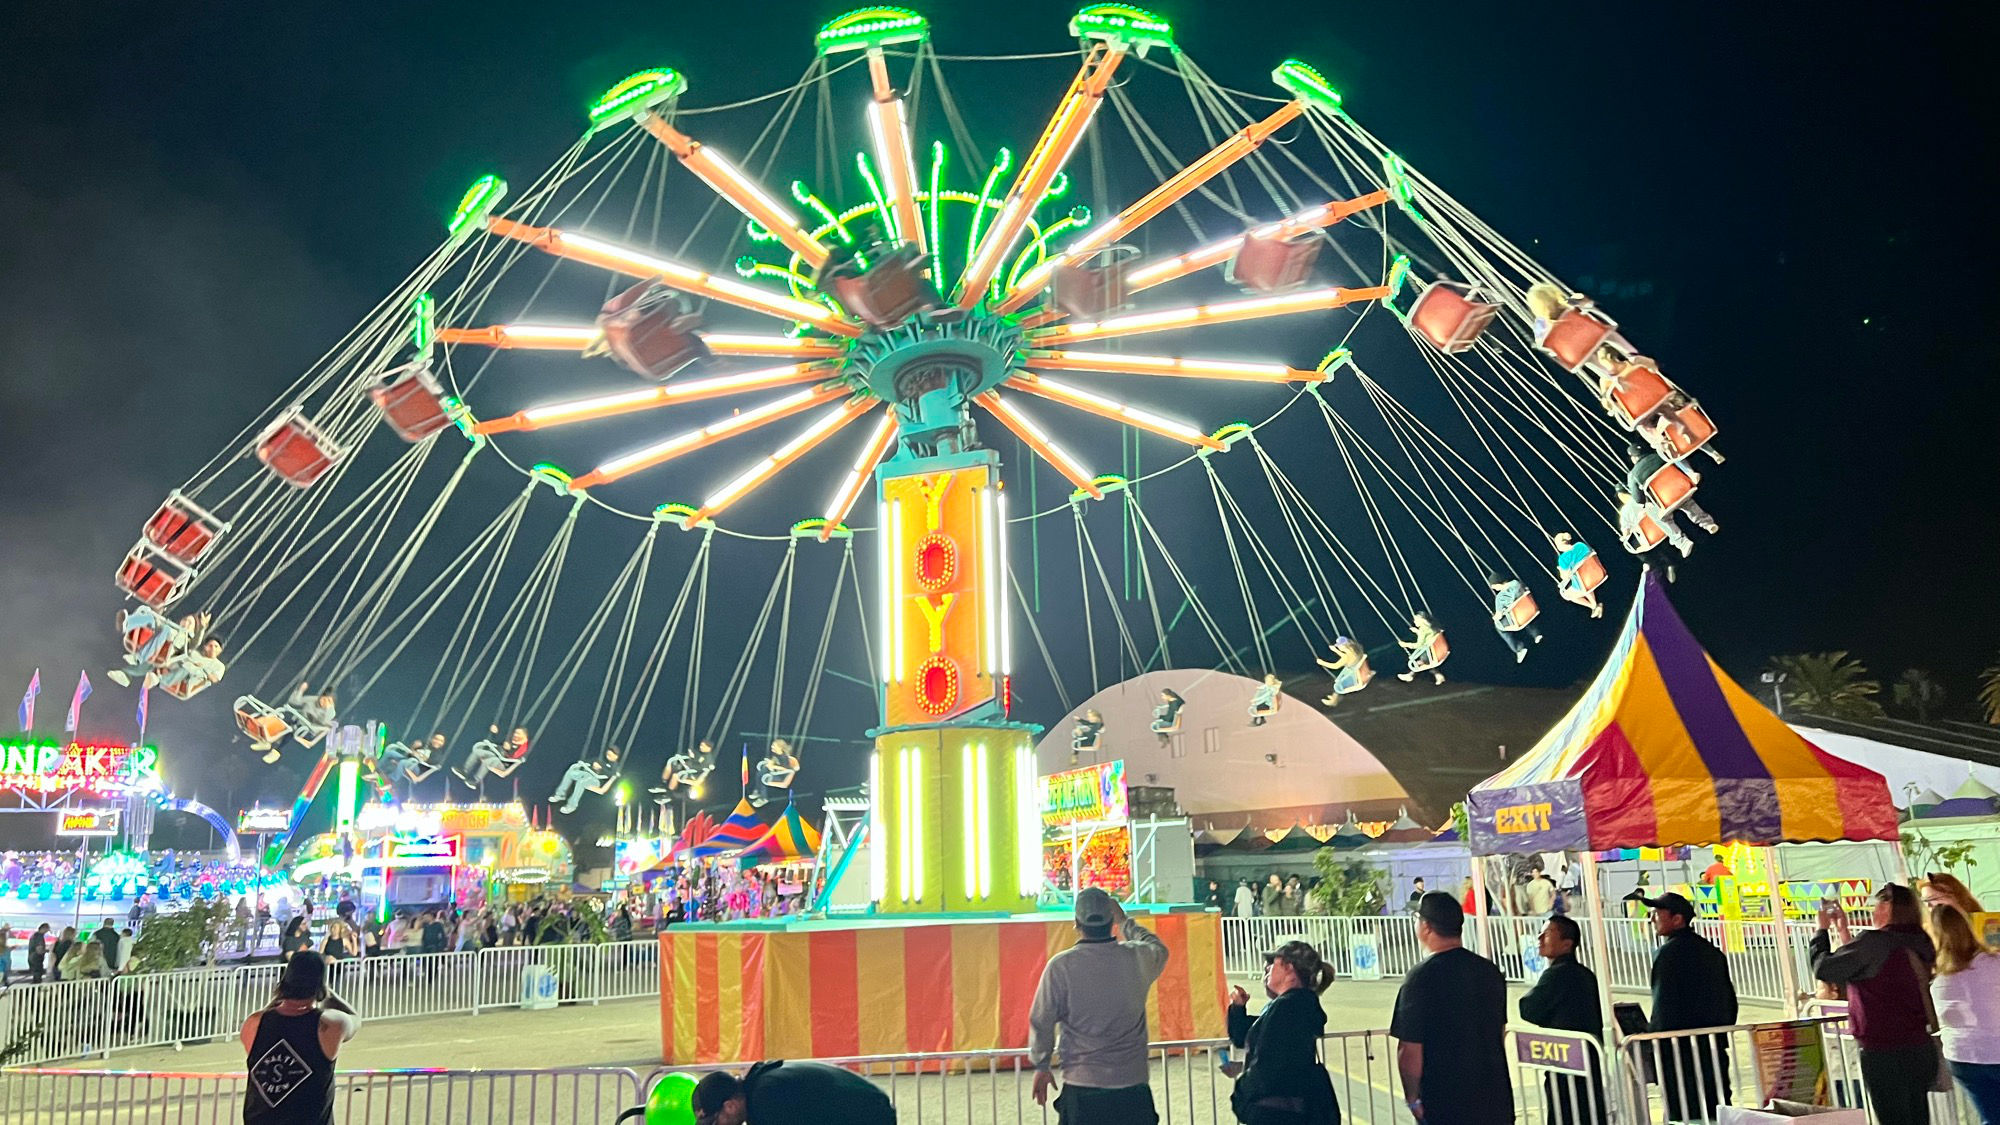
(580, 1096)
(84, 1018)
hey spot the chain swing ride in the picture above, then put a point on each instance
(889, 322)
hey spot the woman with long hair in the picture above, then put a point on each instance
(290, 1046)
(1966, 993)
(1941, 888)
(297, 937)
(1281, 1081)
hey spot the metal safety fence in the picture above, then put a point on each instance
(84, 1018)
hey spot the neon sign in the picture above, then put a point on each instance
(253, 822)
(425, 851)
(87, 822)
(944, 604)
(1093, 793)
(102, 769)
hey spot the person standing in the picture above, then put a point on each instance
(1966, 992)
(1246, 900)
(1272, 896)
(1691, 989)
(1096, 991)
(290, 1046)
(1565, 999)
(38, 953)
(1416, 895)
(61, 950)
(1214, 897)
(776, 1092)
(1450, 1026)
(1887, 974)
(106, 937)
(1282, 1081)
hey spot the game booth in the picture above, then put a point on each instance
(428, 855)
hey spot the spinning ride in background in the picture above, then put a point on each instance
(901, 328)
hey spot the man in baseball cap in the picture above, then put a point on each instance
(1096, 990)
(1691, 988)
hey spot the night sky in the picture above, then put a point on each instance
(198, 206)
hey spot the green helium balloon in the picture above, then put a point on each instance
(672, 1101)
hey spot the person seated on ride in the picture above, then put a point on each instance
(1645, 464)
(315, 711)
(1350, 670)
(689, 768)
(157, 641)
(1633, 518)
(190, 672)
(1264, 703)
(1571, 554)
(1084, 733)
(1167, 713)
(779, 766)
(1508, 590)
(1427, 650)
(488, 755)
(1668, 434)
(586, 775)
(1549, 304)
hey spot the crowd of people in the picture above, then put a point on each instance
(720, 893)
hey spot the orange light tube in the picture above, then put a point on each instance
(619, 259)
(626, 402)
(1117, 411)
(1032, 436)
(664, 451)
(1176, 187)
(1216, 253)
(1309, 300)
(803, 347)
(824, 427)
(1171, 365)
(743, 193)
(1051, 152)
(857, 477)
(542, 337)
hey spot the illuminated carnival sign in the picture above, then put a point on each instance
(1093, 793)
(424, 851)
(944, 605)
(262, 822)
(87, 822)
(102, 769)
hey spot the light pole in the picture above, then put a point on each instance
(1777, 682)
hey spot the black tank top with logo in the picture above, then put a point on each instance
(291, 1079)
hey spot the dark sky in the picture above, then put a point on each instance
(199, 202)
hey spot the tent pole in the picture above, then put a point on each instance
(1788, 970)
(1479, 908)
(1600, 946)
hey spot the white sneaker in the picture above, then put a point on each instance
(1520, 655)
(118, 676)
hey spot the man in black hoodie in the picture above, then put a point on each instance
(1887, 971)
(1691, 989)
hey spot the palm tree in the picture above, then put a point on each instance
(1832, 684)
(1917, 690)
(1989, 693)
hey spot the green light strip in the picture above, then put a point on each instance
(1307, 85)
(1077, 216)
(871, 28)
(937, 244)
(1002, 160)
(475, 205)
(1136, 28)
(808, 199)
(423, 324)
(635, 94)
(889, 223)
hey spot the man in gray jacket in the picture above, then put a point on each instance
(1096, 990)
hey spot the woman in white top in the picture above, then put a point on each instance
(1966, 992)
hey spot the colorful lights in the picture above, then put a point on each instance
(1115, 364)
(1307, 85)
(636, 94)
(1110, 408)
(989, 545)
(1038, 440)
(1124, 26)
(543, 337)
(938, 681)
(1027, 824)
(743, 193)
(672, 447)
(1222, 312)
(871, 29)
(423, 323)
(849, 492)
(976, 821)
(878, 843)
(896, 594)
(768, 466)
(1216, 253)
(891, 130)
(32, 765)
(476, 206)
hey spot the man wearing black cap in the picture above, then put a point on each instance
(1450, 1027)
(780, 1093)
(1565, 999)
(1691, 989)
(1096, 990)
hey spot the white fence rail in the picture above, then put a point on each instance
(1752, 948)
(78, 1019)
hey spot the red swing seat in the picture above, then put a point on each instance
(1693, 432)
(295, 449)
(1575, 337)
(1431, 657)
(1451, 316)
(1670, 486)
(153, 576)
(1636, 391)
(1646, 536)
(1520, 614)
(1590, 573)
(890, 291)
(411, 402)
(259, 720)
(137, 637)
(1269, 263)
(1353, 678)
(1088, 292)
(650, 331)
(185, 691)
(183, 529)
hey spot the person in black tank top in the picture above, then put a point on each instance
(291, 1045)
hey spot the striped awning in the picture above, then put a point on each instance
(1665, 749)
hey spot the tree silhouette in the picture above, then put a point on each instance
(1917, 691)
(1832, 684)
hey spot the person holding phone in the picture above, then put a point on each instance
(1280, 1080)
(290, 1046)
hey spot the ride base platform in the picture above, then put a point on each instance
(836, 988)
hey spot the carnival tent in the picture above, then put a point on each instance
(738, 830)
(791, 838)
(1405, 831)
(1295, 840)
(1664, 748)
